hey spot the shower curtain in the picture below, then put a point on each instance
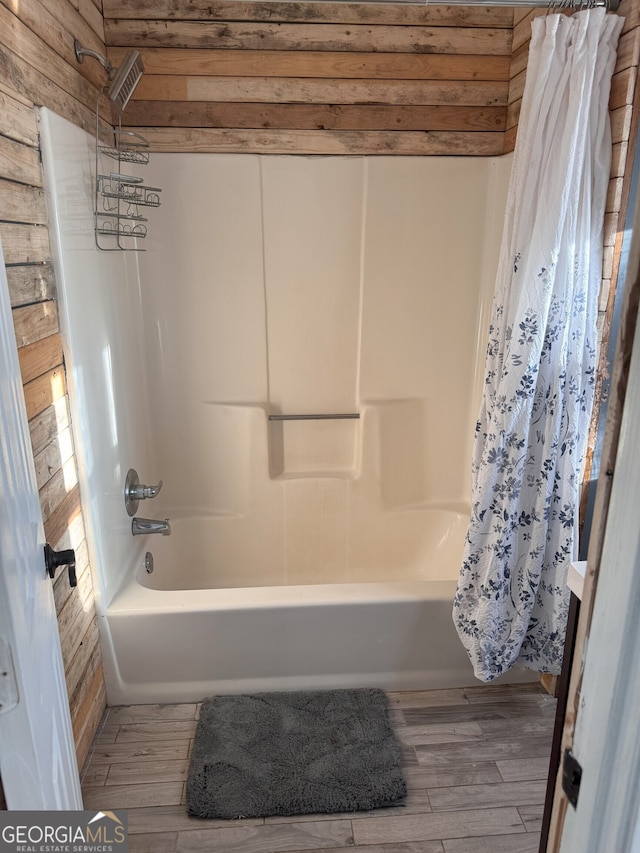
(511, 602)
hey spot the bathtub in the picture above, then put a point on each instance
(179, 644)
(305, 553)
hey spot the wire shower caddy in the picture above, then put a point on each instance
(119, 195)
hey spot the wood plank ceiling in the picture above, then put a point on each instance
(316, 77)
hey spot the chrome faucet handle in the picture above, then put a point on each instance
(149, 491)
(135, 491)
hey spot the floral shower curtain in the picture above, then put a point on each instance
(511, 603)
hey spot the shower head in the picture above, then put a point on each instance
(126, 78)
(123, 79)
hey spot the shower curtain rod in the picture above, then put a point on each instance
(558, 6)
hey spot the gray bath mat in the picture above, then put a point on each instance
(294, 753)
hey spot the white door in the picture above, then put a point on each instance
(37, 756)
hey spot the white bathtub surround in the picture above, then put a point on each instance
(425, 546)
(512, 600)
(100, 321)
(294, 285)
(303, 553)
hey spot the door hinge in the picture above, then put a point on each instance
(571, 777)
(8, 686)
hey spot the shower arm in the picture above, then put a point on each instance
(81, 52)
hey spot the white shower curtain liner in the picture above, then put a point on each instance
(511, 603)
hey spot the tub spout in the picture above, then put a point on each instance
(142, 526)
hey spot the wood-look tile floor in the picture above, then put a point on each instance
(475, 761)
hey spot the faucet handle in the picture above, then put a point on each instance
(135, 491)
(150, 491)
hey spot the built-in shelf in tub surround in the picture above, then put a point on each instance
(323, 447)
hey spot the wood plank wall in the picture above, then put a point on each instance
(38, 67)
(624, 107)
(316, 77)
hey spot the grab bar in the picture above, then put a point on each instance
(333, 417)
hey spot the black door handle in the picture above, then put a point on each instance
(53, 559)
